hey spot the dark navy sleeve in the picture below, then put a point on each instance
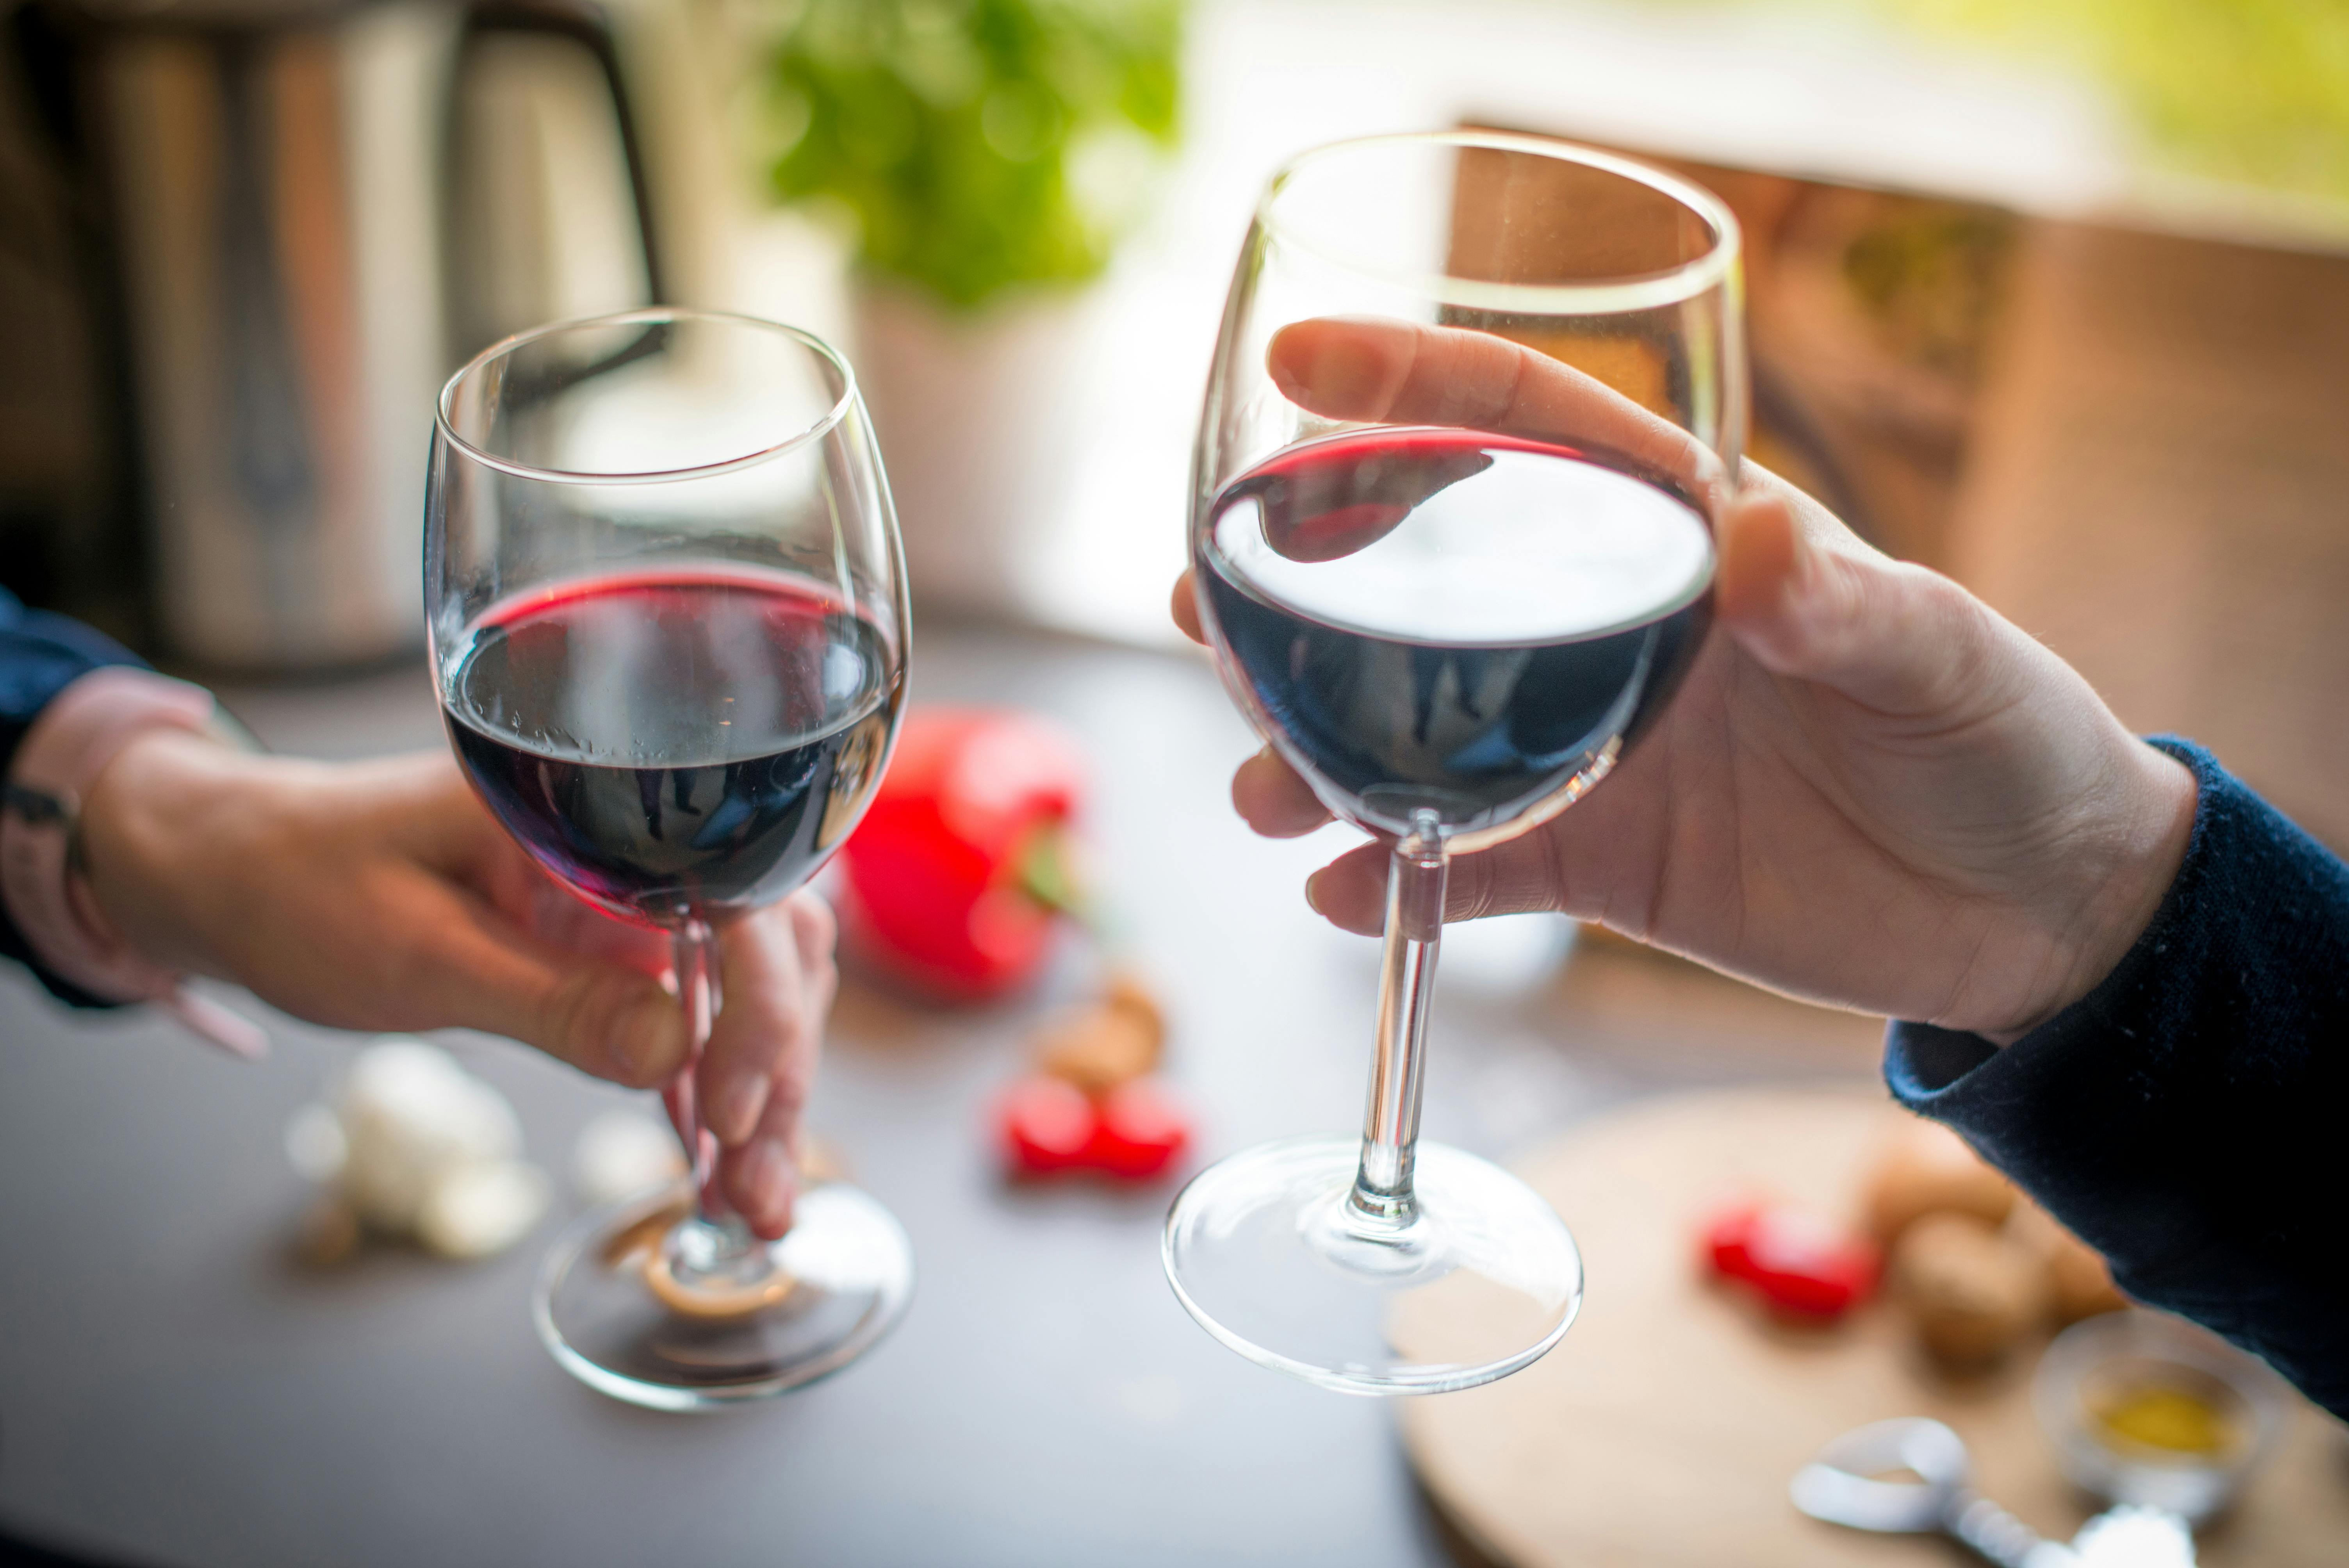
(40, 656)
(2186, 1117)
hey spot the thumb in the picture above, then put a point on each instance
(555, 982)
(602, 1006)
(607, 1020)
(1808, 600)
(510, 952)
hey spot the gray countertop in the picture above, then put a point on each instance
(174, 1391)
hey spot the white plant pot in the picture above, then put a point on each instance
(979, 430)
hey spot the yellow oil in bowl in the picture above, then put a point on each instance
(2158, 1409)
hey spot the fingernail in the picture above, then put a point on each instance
(738, 1108)
(1313, 893)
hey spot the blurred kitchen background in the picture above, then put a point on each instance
(2051, 294)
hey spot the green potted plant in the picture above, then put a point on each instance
(983, 158)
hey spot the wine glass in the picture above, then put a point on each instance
(668, 620)
(1476, 402)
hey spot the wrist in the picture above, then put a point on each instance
(2128, 863)
(81, 734)
(147, 825)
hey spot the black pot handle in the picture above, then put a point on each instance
(582, 23)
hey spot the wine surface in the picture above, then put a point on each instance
(675, 743)
(1451, 619)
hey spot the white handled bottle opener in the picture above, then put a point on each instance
(1841, 1487)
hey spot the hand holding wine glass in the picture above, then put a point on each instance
(1872, 792)
(668, 617)
(1452, 604)
(1467, 499)
(383, 896)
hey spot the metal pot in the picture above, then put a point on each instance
(288, 221)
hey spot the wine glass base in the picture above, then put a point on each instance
(1264, 1250)
(618, 1323)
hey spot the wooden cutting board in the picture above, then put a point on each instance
(1663, 1429)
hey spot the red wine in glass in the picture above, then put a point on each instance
(1450, 633)
(666, 601)
(1451, 619)
(678, 741)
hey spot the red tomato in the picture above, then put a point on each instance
(1142, 1131)
(1048, 1125)
(1796, 1260)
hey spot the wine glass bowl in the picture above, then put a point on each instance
(668, 621)
(1476, 403)
(1458, 655)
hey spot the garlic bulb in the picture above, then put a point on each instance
(416, 1145)
(413, 1115)
(476, 1211)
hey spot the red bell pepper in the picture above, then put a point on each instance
(955, 881)
(1799, 1263)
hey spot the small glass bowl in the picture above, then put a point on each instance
(2147, 1409)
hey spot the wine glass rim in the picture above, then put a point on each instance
(1634, 291)
(648, 316)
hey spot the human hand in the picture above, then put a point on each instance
(1870, 790)
(382, 895)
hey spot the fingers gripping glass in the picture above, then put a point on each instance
(1475, 405)
(668, 622)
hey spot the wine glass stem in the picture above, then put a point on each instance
(1415, 880)
(717, 1232)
